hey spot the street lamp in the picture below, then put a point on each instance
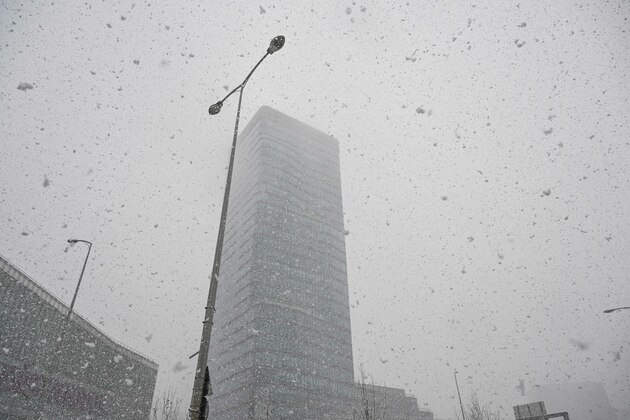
(275, 44)
(460, 397)
(74, 241)
(202, 386)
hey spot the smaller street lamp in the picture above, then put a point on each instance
(74, 298)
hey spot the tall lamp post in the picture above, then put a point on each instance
(74, 298)
(202, 386)
(460, 397)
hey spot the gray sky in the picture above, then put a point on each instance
(484, 151)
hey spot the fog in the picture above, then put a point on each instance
(484, 158)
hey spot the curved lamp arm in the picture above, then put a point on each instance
(275, 45)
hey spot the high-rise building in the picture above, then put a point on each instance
(281, 345)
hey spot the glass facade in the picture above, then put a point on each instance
(281, 345)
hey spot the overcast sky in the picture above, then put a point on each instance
(485, 154)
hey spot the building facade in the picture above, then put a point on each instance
(58, 369)
(281, 345)
(386, 403)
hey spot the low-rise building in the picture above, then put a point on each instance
(386, 403)
(61, 368)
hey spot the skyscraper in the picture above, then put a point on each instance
(281, 345)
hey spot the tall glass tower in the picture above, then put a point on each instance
(281, 345)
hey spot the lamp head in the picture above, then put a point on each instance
(215, 109)
(276, 44)
(72, 241)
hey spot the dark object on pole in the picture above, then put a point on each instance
(76, 292)
(460, 397)
(205, 392)
(202, 387)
